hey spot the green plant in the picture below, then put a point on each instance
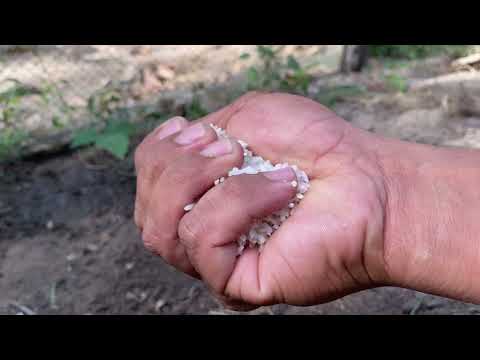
(330, 96)
(416, 51)
(103, 102)
(10, 140)
(10, 98)
(112, 129)
(396, 82)
(113, 137)
(10, 101)
(195, 109)
(52, 96)
(276, 73)
(11, 137)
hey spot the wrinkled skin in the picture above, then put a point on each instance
(332, 245)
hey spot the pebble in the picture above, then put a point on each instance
(159, 304)
(91, 247)
(71, 257)
(50, 225)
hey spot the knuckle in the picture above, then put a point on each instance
(192, 230)
(152, 242)
(144, 160)
(154, 173)
(156, 245)
(233, 188)
(177, 175)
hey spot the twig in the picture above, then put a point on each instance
(22, 308)
(417, 307)
(269, 310)
(53, 296)
(222, 312)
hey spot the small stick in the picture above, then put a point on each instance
(22, 308)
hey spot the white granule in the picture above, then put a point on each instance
(261, 230)
(188, 207)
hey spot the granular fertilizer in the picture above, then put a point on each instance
(261, 230)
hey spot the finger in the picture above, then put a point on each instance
(210, 231)
(147, 162)
(143, 154)
(164, 146)
(180, 184)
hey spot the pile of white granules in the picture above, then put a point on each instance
(261, 230)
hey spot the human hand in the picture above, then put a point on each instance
(332, 244)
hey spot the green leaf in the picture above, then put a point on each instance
(115, 143)
(265, 51)
(244, 56)
(11, 141)
(330, 97)
(119, 127)
(396, 82)
(57, 122)
(84, 137)
(195, 110)
(252, 76)
(292, 63)
(18, 91)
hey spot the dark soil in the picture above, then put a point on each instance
(68, 245)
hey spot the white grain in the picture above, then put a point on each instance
(188, 207)
(260, 231)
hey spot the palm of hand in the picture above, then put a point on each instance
(332, 243)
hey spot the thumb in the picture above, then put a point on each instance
(210, 231)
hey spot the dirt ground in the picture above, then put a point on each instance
(68, 244)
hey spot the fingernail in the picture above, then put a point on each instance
(190, 134)
(218, 148)
(170, 127)
(285, 174)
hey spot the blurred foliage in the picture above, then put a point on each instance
(113, 137)
(11, 138)
(411, 52)
(11, 112)
(112, 129)
(10, 98)
(330, 96)
(10, 141)
(396, 82)
(195, 109)
(277, 73)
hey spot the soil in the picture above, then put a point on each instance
(68, 244)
